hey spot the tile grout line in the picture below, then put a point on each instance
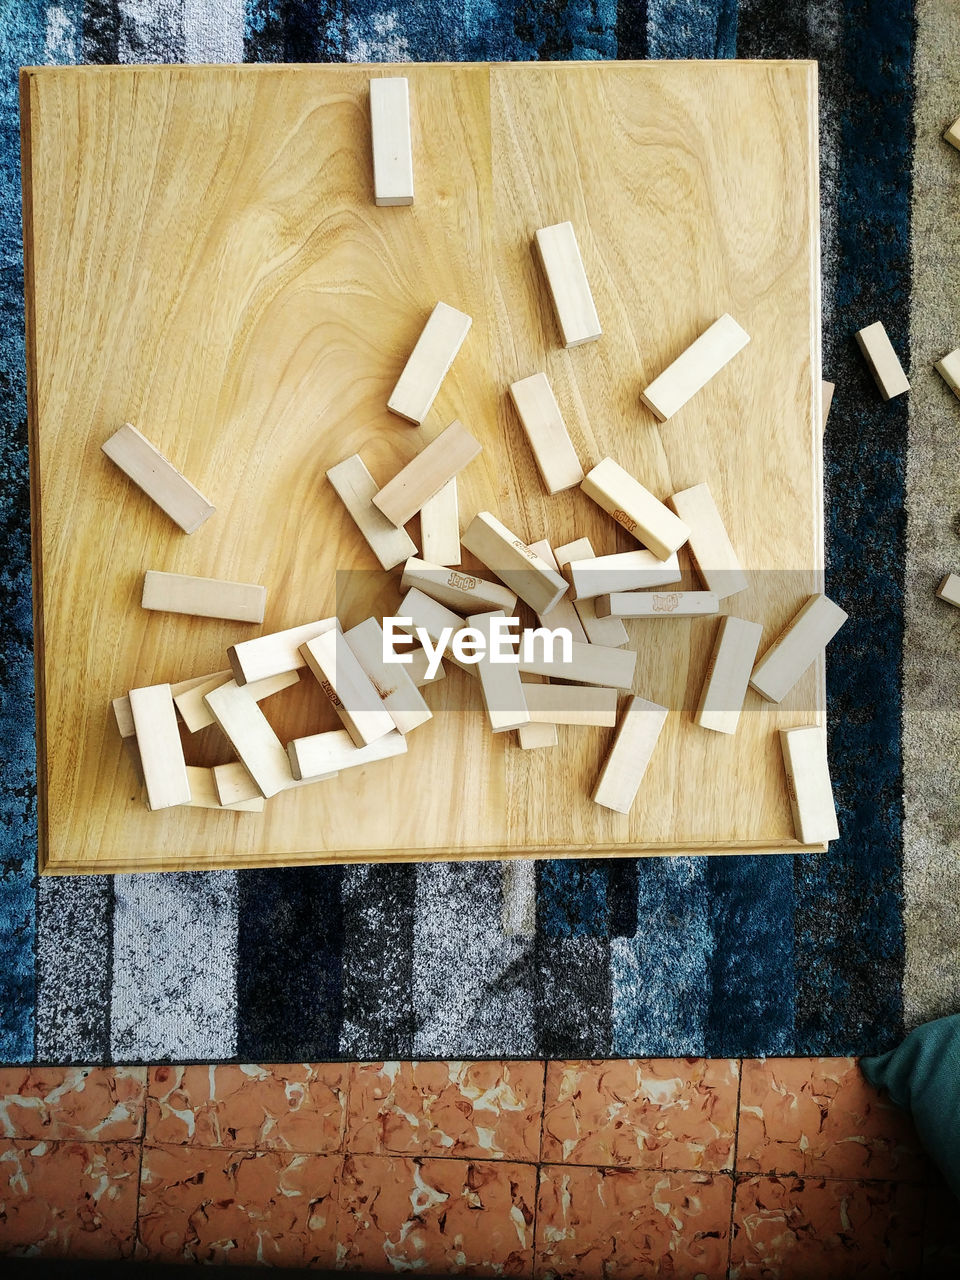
(733, 1168)
(538, 1171)
(351, 1069)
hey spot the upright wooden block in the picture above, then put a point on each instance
(949, 590)
(390, 137)
(434, 618)
(952, 134)
(692, 370)
(440, 526)
(204, 795)
(499, 681)
(711, 550)
(356, 489)
(568, 284)
(431, 358)
(391, 679)
(462, 592)
(274, 654)
(203, 597)
(535, 736)
(826, 400)
(809, 632)
(571, 704)
(552, 447)
(949, 370)
(425, 475)
(589, 664)
(635, 508)
(606, 631)
(323, 753)
(628, 758)
(195, 713)
(625, 571)
(157, 478)
(513, 562)
(657, 604)
(883, 360)
(124, 716)
(250, 734)
(158, 740)
(353, 694)
(563, 613)
(728, 673)
(808, 784)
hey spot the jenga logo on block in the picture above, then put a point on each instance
(666, 602)
(462, 580)
(621, 517)
(331, 693)
(522, 546)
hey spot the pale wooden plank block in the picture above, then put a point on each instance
(440, 526)
(563, 613)
(203, 597)
(571, 704)
(429, 362)
(711, 550)
(234, 784)
(546, 432)
(628, 758)
(606, 631)
(513, 562)
(462, 592)
(826, 400)
(316, 756)
(273, 654)
(808, 784)
(416, 669)
(624, 571)
(568, 284)
(534, 736)
(158, 741)
(354, 696)
(356, 489)
(949, 370)
(157, 478)
(390, 139)
(727, 675)
(949, 590)
(657, 604)
(693, 369)
(426, 474)
(204, 794)
(952, 134)
(435, 618)
(124, 716)
(499, 681)
(589, 664)
(804, 637)
(882, 360)
(195, 713)
(635, 508)
(251, 736)
(391, 679)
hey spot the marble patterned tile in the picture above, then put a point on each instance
(658, 1113)
(293, 1108)
(87, 1104)
(441, 1217)
(211, 1205)
(830, 1229)
(821, 1116)
(68, 1199)
(477, 1110)
(600, 1224)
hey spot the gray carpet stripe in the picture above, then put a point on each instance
(519, 888)
(150, 31)
(213, 30)
(377, 962)
(73, 968)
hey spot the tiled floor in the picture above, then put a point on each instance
(792, 1169)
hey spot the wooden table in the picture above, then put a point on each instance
(204, 259)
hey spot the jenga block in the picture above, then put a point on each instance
(425, 370)
(657, 604)
(883, 361)
(710, 547)
(203, 597)
(952, 134)
(434, 618)
(808, 784)
(440, 526)
(628, 758)
(589, 664)
(635, 508)
(391, 679)
(534, 737)
(195, 713)
(796, 647)
(513, 562)
(499, 681)
(606, 631)
(568, 284)
(571, 704)
(728, 673)
(417, 667)
(234, 783)
(251, 736)
(692, 370)
(271, 655)
(552, 447)
(949, 370)
(124, 717)
(625, 571)
(390, 136)
(355, 698)
(322, 753)
(949, 590)
(356, 489)
(563, 614)
(158, 740)
(204, 795)
(826, 400)
(157, 478)
(462, 592)
(427, 473)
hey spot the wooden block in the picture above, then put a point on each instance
(499, 681)
(426, 474)
(124, 716)
(234, 784)
(568, 284)
(563, 613)
(711, 550)
(589, 664)
(949, 590)
(535, 736)
(657, 604)
(356, 489)
(635, 508)
(692, 370)
(513, 562)
(808, 783)
(883, 361)
(552, 447)
(195, 713)
(204, 794)
(625, 571)
(949, 370)
(826, 400)
(158, 740)
(203, 597)
(425, 370)
(952, 134)
(606, 631)
(727, 675)
(462, 592)
(271, 655)
(251, 736)
(416, 669)
(354, 696)
(627, 760)
(159, 479)
(322, 753)
(796, 647)
(440, 526)
(391, 679)
(571, 704)
(390, 136)
(434, 618)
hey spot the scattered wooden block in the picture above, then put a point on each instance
(417, 667)
(426, 474)
(234, 784)
(157, 478)
(571, 704)
(124, 717)
(390, 136)
(434, 618)
(952, 134)
(535, 736)
(568, 284)
(657, 604)
(710, 547)
(356, 489)
(195, 713)
(625, 571)
(249, 733)
(203, 597)
(808, 783)
(883, 361)
(462, 592)
(546, 432)
(499, 681)
(158, 741)
(272, 655)
(391, 679)
(513, 562)
(692, 370)
(628, 758)
(949, 590)
(606, 631)
(204, 794)
(826, 400)
(440, 526)
(355, 698)
(425, 370)
(324, 753)
(728, 673)
(949, 370)
(796, 647)
(589, 664)
(635, 508)
(563, 613)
